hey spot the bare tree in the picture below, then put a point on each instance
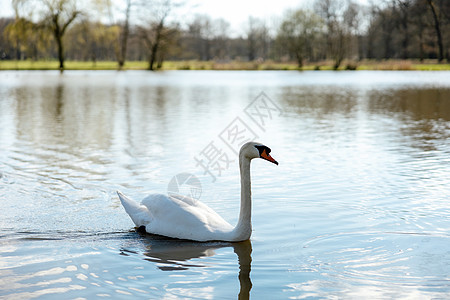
(258, 38)
(122, 10)
(383, 28)
(419, 24)
(328, 10)
(156, 14)
(169, 45)
(437, 27)
(298, 33)
(352, 22)
(200, 35)
(156, 41)
(404, 10)
(220, 29)
(60, 14)
(332, 12)
(122, 49)
(252, 37)
(55, 16)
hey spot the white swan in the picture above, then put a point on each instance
(192, 220)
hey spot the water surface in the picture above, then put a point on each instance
(357, 208)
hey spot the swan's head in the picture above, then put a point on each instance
(253, 150)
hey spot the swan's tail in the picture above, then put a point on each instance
(138, 213)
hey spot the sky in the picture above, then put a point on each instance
(229, 9)
(236, 12)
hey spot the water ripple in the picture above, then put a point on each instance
(382, 260)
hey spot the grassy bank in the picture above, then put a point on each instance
(232, 65)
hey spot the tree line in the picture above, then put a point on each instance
(328, 30)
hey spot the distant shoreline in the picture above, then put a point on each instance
(386, 65)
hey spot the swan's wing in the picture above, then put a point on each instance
(190, 203)
(183, 219)
(138, 213)
(180, 208)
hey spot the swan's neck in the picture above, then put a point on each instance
(243, 228)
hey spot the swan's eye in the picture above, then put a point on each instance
(261, 149)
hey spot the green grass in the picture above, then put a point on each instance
(432, 67)
(68, 65)
(402, 65)
(232, 65)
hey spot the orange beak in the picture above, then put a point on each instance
(267, 156)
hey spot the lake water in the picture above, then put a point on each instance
(357, 208)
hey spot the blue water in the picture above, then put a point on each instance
(357, 208)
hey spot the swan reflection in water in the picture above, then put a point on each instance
(174, 255)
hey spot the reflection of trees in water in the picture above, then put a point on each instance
(320, 101)
(75, 112)
(416, 104)
(64, 114)
(421, 114)
(175, 255)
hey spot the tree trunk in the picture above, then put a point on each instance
(207, 49)
(438, 30)
(18, 52)
(160, 61)
(421, 42)
(251, 48)
(337, 63)
(405, 42)
(370, 44)
(299, 60)
(387, 36)
(59, 43)
(152, 59)
(124, 40)
(155, 46)
(60, 54)
(340, 49)
(58, 32)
